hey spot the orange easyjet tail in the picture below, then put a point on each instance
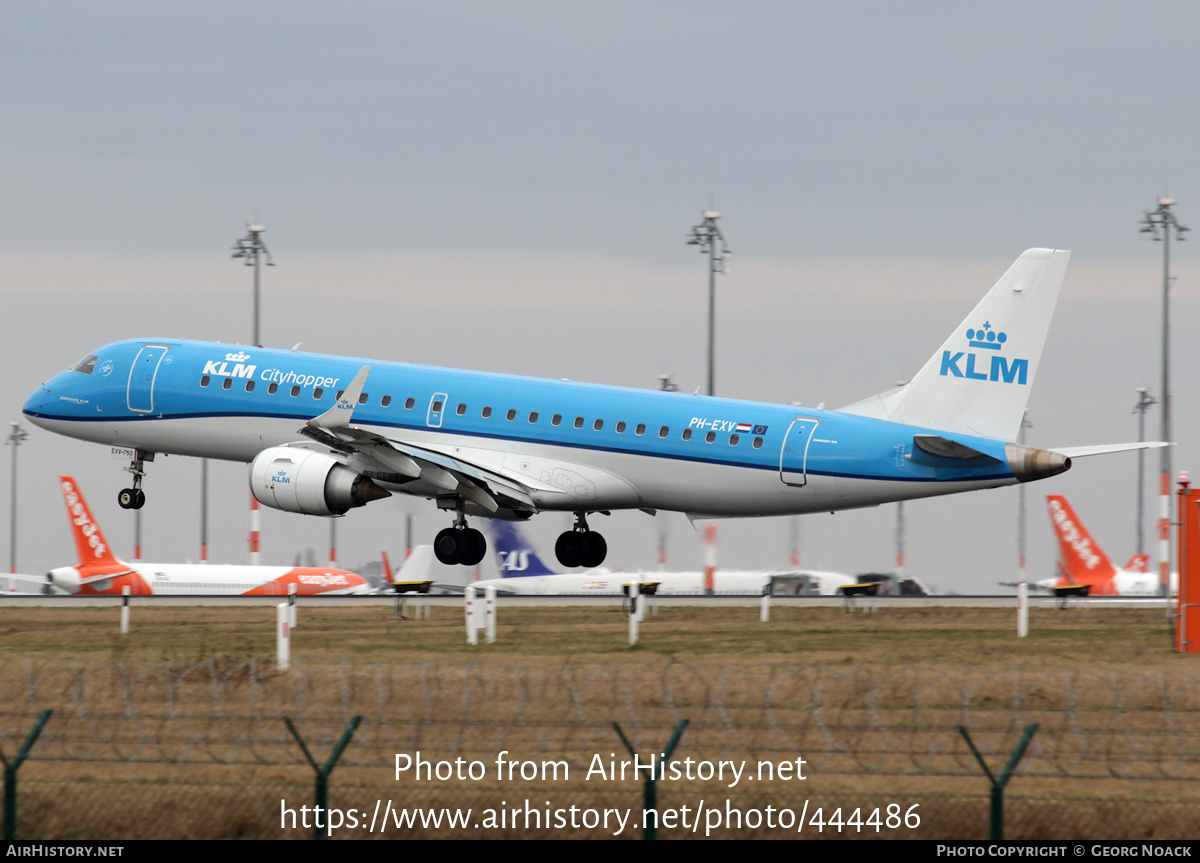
(1082, 560)
(93, 548)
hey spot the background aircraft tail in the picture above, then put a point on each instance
(1082, 560)
(515, 554)
(978, 382)
(90, 542)
(1139, 563)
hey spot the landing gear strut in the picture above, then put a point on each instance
(581, 546)
(135, 498)
(460, 544)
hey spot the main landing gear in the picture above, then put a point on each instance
(460, 544)
(581, 546)
(135, 498)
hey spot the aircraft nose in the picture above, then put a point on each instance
(66, 578)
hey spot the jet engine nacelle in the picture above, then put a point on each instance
(309, 482)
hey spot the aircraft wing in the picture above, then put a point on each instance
(379, 457)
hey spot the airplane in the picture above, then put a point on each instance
(100, 572)
(524, 573)
(319, 441)
(1083, 562)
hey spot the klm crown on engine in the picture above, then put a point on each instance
(991, 367)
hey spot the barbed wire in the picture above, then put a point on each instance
(887, 721)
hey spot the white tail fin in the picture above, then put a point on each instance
(978, 382)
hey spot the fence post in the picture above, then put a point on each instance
(324, 771)
(650, 785)
(997, 831)
(125, 610)
(10, 775)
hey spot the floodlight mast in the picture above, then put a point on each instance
(1145, 400)
(252, 250)
(1159, 223)
(711, 241)
(16, 435)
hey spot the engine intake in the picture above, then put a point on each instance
(309, 482)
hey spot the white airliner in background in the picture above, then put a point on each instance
(1082, 561)
(523, 574)
(101, 572)
(324, 434)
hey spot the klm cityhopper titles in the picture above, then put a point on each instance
(325, 434)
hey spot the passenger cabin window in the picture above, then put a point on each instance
(318, 392)
(598, 424)
(362, 398)
(385, 401)
(578, 422)
(487, 412)
(227, 383)
(86, 365)
(339, 395)
(437, 406)
(641, 429)
(533, 416)
(621, 427)
(249, 386)
(556, 419)
(511, 415)
(733, 440)
(461, 409)
(758, 443)
(204, 381)
(687, 434)
(710, 437)
(664, 431)
(408, 403)
(273, 388)
(295, 390)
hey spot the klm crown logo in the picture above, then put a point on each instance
(239, 357)
(991, 368)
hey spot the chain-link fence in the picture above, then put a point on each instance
(202, 749)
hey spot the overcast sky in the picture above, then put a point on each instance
(507, 186)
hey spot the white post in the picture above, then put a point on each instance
(1022, 610)
(292, 604)
(125, 610)
(634, 612)
(283, 637)
(489, 600)
(472, 632)
(764, 608)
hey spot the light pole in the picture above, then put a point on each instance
(252, 250)
(1145, 400)
(16, 434)
(711, 241)
(1159, 223)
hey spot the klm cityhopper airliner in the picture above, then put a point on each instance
(324, 434)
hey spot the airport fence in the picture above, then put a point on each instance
(203, 750)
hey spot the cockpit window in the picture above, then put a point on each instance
(86, 365)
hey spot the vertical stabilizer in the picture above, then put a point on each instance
(1082, 560)
(90, 543)
(515, 554)
(978, 382)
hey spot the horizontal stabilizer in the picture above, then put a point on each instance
(1102, 449)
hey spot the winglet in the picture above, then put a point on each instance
(340, 414)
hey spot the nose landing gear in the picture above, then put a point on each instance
(135, 498)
